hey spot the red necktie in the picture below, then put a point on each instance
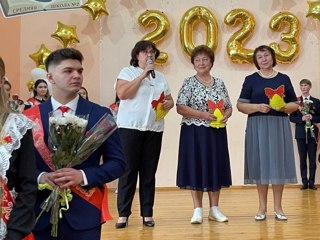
(63, 109)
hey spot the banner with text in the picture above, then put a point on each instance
(12, 8)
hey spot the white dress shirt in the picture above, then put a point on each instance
(72, 105)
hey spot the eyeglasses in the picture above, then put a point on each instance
(197, 60)
(151, 52)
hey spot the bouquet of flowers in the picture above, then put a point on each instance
(305, 108)
(70, 146)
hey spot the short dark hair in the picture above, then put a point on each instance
(57, 56)
(139, 47)
(305, 81)
(263, 48)
(202, 49)
(37, 82)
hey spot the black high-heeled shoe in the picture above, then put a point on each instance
(148, 223)
(122, 225)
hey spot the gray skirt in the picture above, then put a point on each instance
(269, 155)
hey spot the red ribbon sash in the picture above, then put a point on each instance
(7, 201)
(7, 206)
(94, 196)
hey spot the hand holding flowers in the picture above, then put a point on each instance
(306, 110)
(70, 146)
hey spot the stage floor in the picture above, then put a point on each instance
(173, 210)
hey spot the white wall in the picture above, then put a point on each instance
(121, 31)
(107, 44)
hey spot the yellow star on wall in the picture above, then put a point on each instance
(66, 34)
(40, 56)
(314, 9)
(96, 8)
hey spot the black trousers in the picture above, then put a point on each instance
(307, 148)
(142, 152)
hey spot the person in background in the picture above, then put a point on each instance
(40, 92)
(267, 97)
(15, 103)
(114, 107)
(204, 164)
(307, 140)
(143, 92)
(88, 208)
(84, 93)
(18, 170)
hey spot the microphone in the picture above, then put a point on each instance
(149, 61)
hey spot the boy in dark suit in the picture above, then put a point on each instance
(87, 181)
(307, 138)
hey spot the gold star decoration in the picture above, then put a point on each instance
(66, 34)
(96, 8)
(314, 9)
(40, 56)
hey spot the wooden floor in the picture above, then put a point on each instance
(173, 210)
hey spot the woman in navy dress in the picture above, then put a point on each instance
(203, 164)
(267, 96)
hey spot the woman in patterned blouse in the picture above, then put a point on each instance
(204, 164)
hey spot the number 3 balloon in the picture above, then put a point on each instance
(291, 37)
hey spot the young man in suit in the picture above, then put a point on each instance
(306, 141)
(87, 181)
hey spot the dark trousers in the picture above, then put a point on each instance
(307, 148)
(66, 232)
(142, 152)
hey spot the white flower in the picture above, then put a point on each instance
(61, 121)
(82, 122)
(52, 120)
(307, 101)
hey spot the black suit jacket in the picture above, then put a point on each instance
(296, 117)
(22, 176)
(82, 215)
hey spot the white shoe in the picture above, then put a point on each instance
(216, 215)
(260, 217)
(280, 217)
(197, 216)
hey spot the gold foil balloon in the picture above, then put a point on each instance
(291, 37)
(314, 9)
(187, 22)
(235, 50)
(40, 56)
(30, 85)
(66, 34)
(162, 26)
(96, 8)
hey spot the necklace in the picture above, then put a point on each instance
(205, 82)
(268, 76)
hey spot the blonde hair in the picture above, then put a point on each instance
(4, 108)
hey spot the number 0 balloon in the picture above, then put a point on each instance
(188, 20)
